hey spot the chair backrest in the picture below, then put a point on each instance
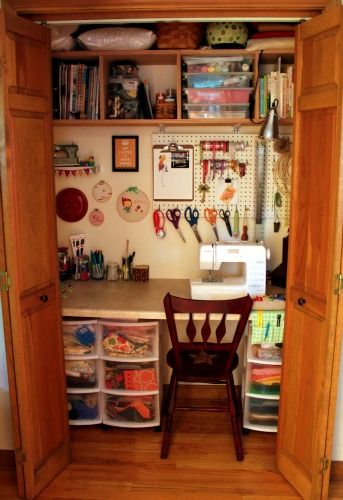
(211, 341)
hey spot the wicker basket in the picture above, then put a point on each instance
(165, 110)
(179, 35)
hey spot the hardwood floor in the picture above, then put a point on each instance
(123, 464)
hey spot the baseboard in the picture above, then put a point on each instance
(7, 458)
(336, 473)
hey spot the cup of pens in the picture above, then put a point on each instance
(97, 265)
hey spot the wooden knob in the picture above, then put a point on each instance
(44, 298)
(301, 301)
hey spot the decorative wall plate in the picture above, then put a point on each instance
(96, 217)
(132, 204)
(71, 204)
(102, 191)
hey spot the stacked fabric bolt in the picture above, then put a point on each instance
(265, 379)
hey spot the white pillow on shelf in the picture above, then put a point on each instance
(117, 38)
(270, 43)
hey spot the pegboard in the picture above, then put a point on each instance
(243, 148)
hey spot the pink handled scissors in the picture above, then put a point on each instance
(211, 217)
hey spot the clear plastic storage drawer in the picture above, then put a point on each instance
(81, 373)
(217, 80)
(130, 411)
(217, 110)
(79, 338)
(128, 340)
(129, 376)
(219, 96)
(84, 409)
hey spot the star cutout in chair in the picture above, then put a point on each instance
(203, 358)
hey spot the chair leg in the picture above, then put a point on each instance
(166, 401)
(170, 408)
(235, 418)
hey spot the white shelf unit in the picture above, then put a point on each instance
(82, 371)
(130, 380)
(113, 372)
(261, 400)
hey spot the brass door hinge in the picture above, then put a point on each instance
(324, 465)
(339, 280)
(20, 456)
(5, 281)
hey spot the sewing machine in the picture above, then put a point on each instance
(241, 269)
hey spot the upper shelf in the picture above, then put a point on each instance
(170, 75)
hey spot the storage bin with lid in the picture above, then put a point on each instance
(216, 80)
(216, 110)
(218, 64)
(218, 96)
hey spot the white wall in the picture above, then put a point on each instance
(167, 258)
(6, 440)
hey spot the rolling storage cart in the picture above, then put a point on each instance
(82, 371)
(262, 371)
(130, 373)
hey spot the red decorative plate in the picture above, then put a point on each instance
(71, 204)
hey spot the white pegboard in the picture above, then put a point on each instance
(246, 184)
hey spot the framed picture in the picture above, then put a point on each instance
(173, 173)
(125, 153)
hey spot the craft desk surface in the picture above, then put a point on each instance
(133, 300)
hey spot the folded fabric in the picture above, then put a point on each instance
(287, 43)
(272, 34)
(140, 380)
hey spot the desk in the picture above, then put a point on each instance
(134, 300)
(125, 301)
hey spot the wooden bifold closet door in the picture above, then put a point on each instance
(29, 222)
(313, 328)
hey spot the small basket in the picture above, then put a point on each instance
(179, 35)
(165, 110)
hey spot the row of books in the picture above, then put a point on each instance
(277, 85)
(75, 91)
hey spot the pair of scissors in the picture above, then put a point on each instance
(192, 216)
(211, 217)
(225, 215)
(158, 217)
(173, 215)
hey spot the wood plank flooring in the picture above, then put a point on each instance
(124, 464)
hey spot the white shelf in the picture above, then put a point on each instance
(262, 396)
(83, 390)
(259, 361)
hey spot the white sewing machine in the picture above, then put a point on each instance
(241, 269)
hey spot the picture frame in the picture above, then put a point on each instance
(125, 153)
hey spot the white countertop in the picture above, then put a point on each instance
(132, 300)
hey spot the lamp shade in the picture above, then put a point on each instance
(270, 126)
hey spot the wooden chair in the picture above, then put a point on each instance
(208, 360)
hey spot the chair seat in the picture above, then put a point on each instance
(202, 365)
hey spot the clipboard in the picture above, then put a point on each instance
(173, 172)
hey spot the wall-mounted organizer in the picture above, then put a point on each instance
(218, 156)
(113, 372)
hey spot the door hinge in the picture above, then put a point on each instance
(324, 465)
(339, 280)
(20, 456)
(5, 281)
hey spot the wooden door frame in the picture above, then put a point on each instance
(50, 10)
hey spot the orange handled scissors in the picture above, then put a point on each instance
(211, 217)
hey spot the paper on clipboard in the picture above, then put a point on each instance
(173, 172)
